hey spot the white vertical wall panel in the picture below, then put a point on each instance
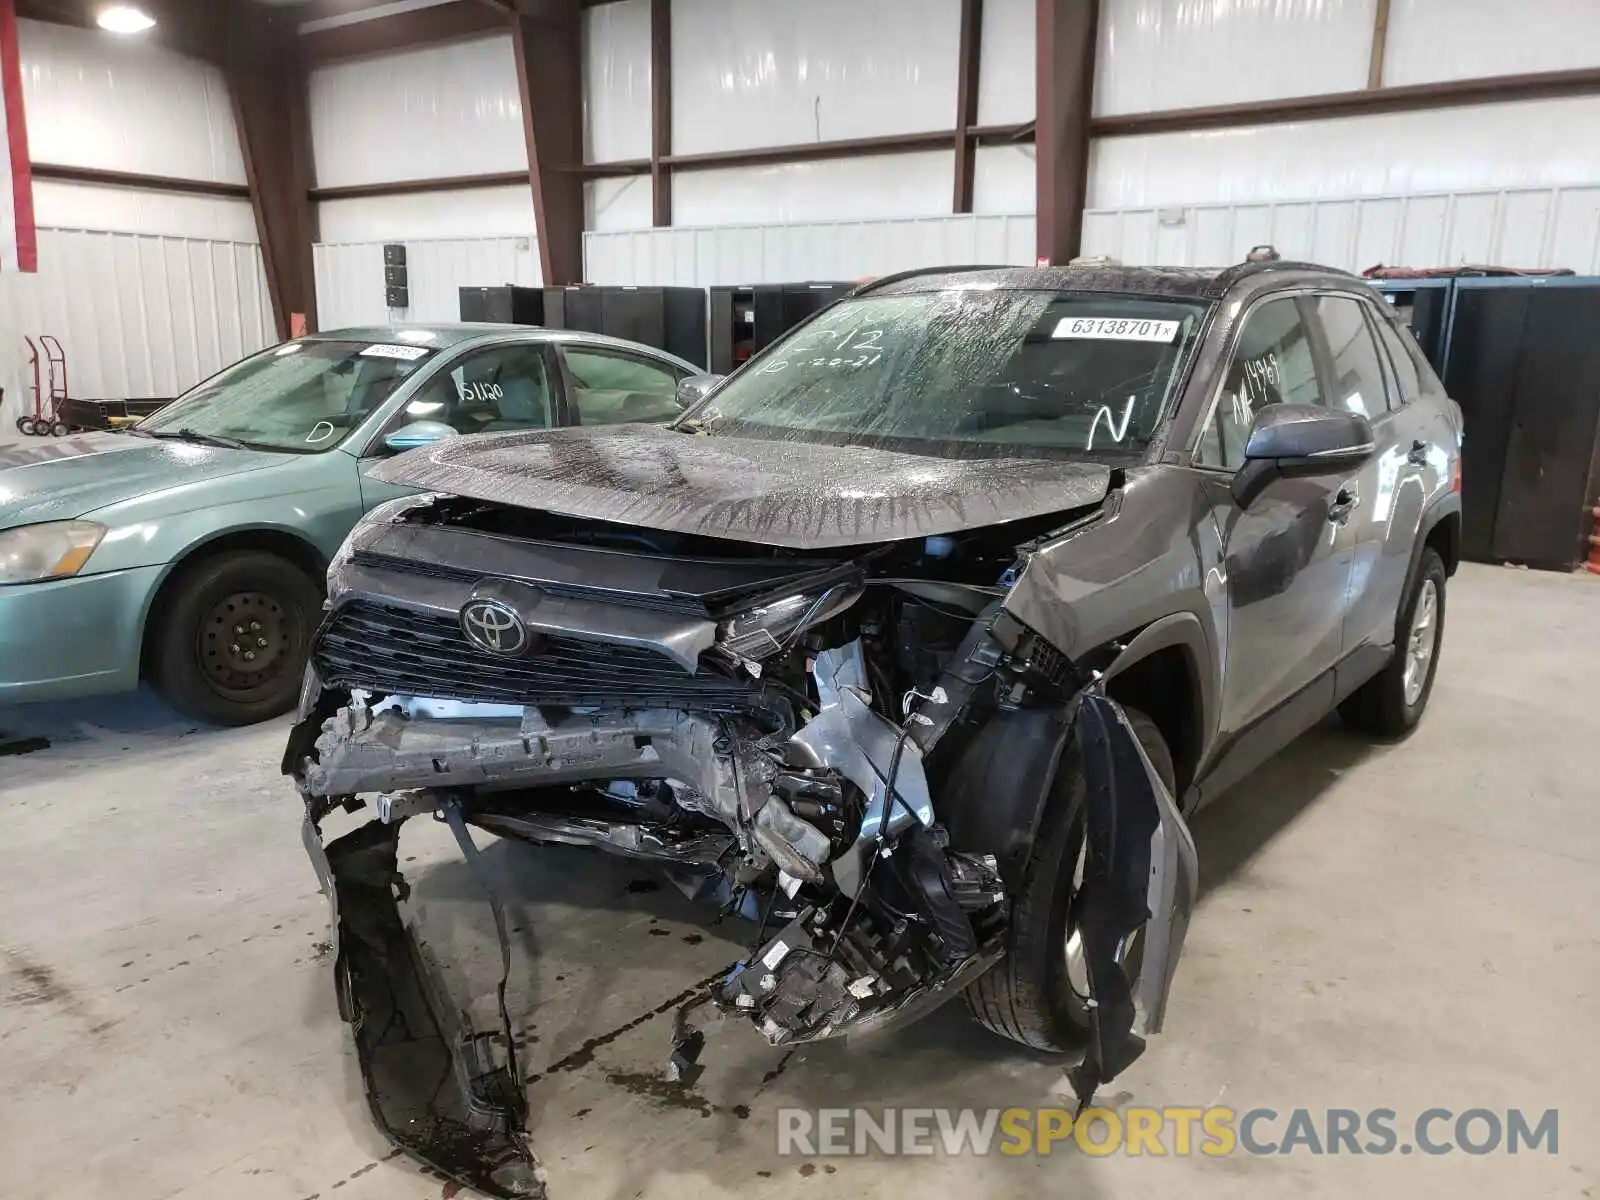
(808, 250)
(752, 73)
(96, 100)
(122, 210)
(478, 212)
(137, 315)
(835, 189)
(624, 203)
(1432, 40)
(1543, 227)
(616, 81)
(1161, 54)
(429, 113)
(1005, 180)
(1537, 143)
(1006, 62)
(350, 287)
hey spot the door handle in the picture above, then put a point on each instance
(1419, 453)
(1344, 504)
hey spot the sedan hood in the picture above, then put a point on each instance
(71, 477)
(796, 495)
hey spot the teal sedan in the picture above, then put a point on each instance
(190, 550)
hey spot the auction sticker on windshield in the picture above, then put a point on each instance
(406, 353)
(1116, 329)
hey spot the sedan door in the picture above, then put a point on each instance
(495, 389)
(1287, 556)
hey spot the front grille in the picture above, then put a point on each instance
(389, 649)
(657, 602)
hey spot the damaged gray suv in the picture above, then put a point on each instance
(915, 640)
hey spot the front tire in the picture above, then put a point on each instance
(231, 637)
(1390, 704)
(1035, 996)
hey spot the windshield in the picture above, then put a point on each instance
(966, 372)
(303, 396)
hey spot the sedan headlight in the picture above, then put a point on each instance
(56, 550)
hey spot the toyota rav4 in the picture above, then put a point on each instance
(921, 635)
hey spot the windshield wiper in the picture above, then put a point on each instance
(197, 438)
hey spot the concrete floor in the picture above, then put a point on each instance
(1400, 927)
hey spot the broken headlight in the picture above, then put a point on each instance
(771, 629)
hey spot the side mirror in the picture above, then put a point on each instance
(418, 433)
(696, 388)
(1290, 440)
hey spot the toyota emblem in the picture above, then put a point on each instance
(494, 627)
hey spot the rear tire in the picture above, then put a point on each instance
(1390, 704)
(1031, 997)
(229, 640)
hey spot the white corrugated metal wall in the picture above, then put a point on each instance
(149, 292)
(1514, 184)
(428, 113)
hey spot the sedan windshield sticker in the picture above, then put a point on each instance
(1116, 329)
(405, 353)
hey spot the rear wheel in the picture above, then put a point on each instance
(1390, 704)
(231, 643)
(1039, 994)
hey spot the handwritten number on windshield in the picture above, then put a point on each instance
(853, 348)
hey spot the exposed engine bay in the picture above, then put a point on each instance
(810, 737)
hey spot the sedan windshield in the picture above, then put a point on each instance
(304, 396)
(971, 371)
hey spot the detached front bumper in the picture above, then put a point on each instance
(890, 932)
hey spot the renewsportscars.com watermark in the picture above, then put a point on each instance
(1212, 1132)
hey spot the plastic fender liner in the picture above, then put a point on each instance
(1140, 871)
(433, 1088)
(994, 794)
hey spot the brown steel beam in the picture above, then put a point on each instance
(968, 58)
(419, 27)
(1064, 83)
(62, 173)
(549, 52)
(267, 83)
(660, 111)
(1380, 44)
(1455, 93)
(412, 187)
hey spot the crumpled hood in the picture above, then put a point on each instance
(65, 478)
(797, 495)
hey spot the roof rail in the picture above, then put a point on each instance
(1232, 275)
(873, 285)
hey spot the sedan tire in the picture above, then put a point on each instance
(229, 639)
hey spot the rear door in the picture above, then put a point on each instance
(498, 388)
(1288, 556)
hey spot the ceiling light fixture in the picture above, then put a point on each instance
(124, 18)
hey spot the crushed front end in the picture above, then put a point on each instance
(792, 731)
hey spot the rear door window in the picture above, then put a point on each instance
(1357, 371)
(612, 387)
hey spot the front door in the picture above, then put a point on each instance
(1287, 557)
(493, 390)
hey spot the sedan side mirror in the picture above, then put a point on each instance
(418, 433)
(696, 388)
(1290, 440)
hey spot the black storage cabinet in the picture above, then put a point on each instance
(506, 304)
(669, 318)
(747, 319)
(1524, 364)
